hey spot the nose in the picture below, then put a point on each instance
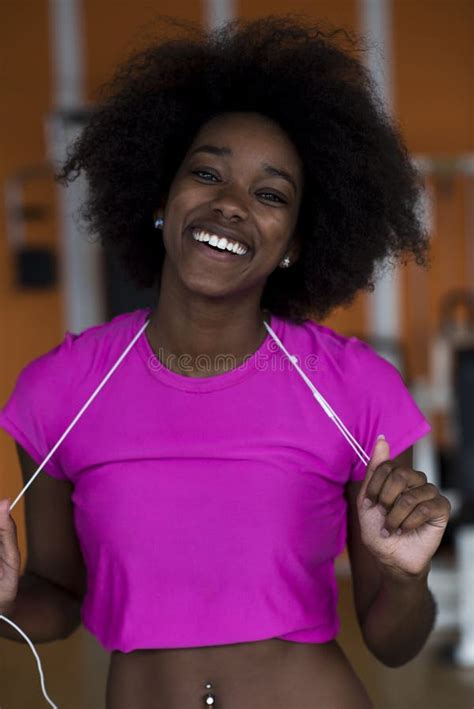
(230, 204)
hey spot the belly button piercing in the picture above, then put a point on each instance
(209, 699)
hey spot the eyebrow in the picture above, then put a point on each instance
(268, 169)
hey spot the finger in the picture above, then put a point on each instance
(407, 503)
(380, 454)
(398, 481)
(8, 536)
(435, 512)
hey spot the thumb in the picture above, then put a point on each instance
(380, 454)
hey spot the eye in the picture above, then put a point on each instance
(205, 175)
(275, 196)
(199, 173)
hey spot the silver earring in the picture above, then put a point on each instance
(159, 221)
(285, 262)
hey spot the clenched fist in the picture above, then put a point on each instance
(402, 516)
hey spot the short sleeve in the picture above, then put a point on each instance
(383, 404)
(34, 413)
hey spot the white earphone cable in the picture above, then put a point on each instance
(38, 662)
(88, 402)
(319, 397)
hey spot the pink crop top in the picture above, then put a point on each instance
(209, 510)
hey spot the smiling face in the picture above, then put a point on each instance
(242, 180)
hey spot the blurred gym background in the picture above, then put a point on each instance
(54, 55)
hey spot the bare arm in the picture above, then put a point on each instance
(50, 592)
(396, 613)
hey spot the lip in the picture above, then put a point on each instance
(220, 231)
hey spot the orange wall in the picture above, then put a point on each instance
(113, 29)
(434, 73)
(341, 13)
(30, 322)
(434, 93)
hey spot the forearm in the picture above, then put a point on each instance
(400, 619)
(42, 610)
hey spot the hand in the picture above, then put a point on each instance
(9, 559)
(402, 517)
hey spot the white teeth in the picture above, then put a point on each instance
(220, 243)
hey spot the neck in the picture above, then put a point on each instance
(221, 333)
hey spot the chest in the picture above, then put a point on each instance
(255, 473)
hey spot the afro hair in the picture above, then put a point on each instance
(359, 207)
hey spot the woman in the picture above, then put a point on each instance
(199, 503)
